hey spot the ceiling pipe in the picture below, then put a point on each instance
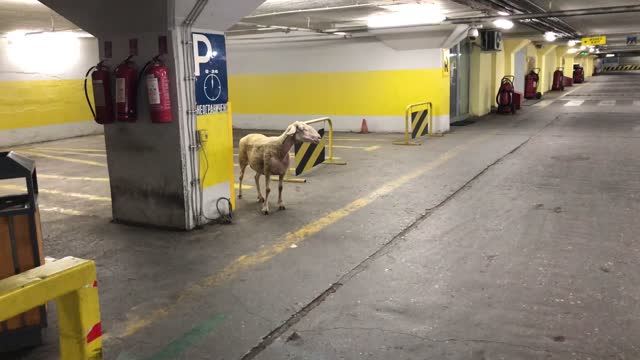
(563, 13)
(326, 8)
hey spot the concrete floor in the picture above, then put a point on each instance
(512, 238)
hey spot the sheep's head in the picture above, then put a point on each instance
(303, 133)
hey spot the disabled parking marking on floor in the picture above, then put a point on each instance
(57, 192)
(574, 103)
(249, 261)
(63, 158)
(182, 343)
(607, 103)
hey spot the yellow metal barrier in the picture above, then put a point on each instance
(330, 161)
(407, 122)
(72, 283)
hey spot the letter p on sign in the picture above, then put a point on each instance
(201, 58)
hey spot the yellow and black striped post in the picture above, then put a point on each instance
(419, 123)
(309, 155)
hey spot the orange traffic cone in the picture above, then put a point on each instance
(364, 129)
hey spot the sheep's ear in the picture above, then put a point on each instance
(292, 129)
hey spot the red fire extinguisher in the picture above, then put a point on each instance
(505, 97)
(531, 84)
(126, 90)
(157, 79)
(101, 81)
(558, 79)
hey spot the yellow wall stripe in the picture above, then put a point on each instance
(33, 103)
(374, 93)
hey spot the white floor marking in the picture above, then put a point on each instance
(574, 103)
(544, 103)
(607, 103)
(636, 102)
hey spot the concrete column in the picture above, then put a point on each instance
(157, 171)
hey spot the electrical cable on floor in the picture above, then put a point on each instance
(224, 218)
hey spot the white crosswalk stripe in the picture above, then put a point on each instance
(607, 103)
(574, 103)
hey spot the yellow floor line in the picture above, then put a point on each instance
(244, 186)
(82, 178)
(69, 149)
(246, 262)
(57, 192)
(359, 139)
(63, 158)
(61, 211)
(365, 148)
(68, 152)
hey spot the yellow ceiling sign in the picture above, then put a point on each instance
(594, 40)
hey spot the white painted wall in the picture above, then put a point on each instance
(352, 55)
(45, 60)
(363, 54)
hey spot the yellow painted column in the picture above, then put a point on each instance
(544, 84)
(497, 72)
(480, 82)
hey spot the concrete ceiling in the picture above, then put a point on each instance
(30, 15)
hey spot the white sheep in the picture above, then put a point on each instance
(270, 156)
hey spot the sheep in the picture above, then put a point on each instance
(270, 156)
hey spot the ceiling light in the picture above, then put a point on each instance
(503, 24)
(572, 51)
(572, 43)
(611, 55)
(407, 15)
(503, 13)
(550, 36)
(592, 49)
(583, 47)
(340, 33)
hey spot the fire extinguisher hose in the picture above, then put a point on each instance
(86, 92)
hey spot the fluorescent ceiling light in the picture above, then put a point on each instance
(611, 55)
(572, 43)
(550, 36)
(592, 49)
(340, 33)
(572, 51)
(583, 47)
(503, 24)
(407, 15)
(503, 13)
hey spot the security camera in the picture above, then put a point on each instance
(473, 34)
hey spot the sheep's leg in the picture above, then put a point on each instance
(242, 169)
(280, 186)
(267, 182)
(260, 198)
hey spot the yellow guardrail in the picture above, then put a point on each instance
(407, 122)
(330, 161)
(72, 283)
